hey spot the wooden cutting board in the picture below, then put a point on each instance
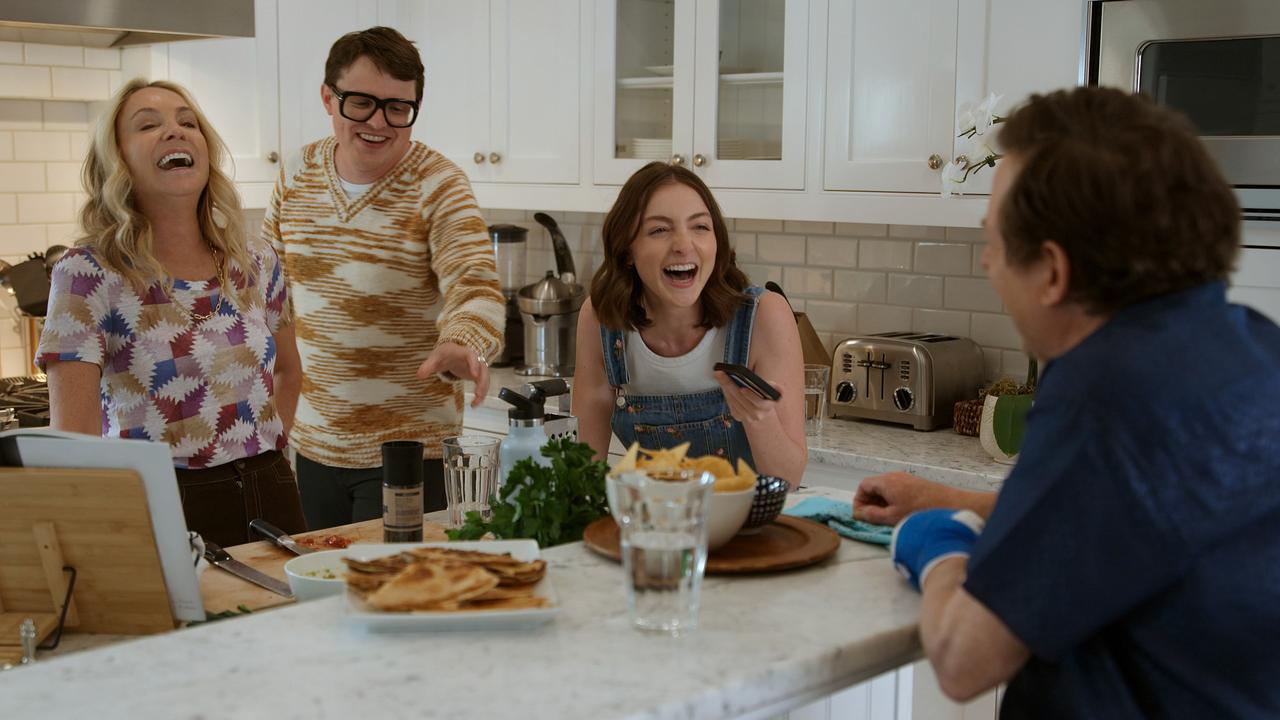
(785, 543)
(221, 590)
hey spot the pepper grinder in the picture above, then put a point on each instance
(402, 476)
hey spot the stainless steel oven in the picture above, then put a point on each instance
(1219, 64)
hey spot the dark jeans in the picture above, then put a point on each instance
(219, 502)
(333, 496)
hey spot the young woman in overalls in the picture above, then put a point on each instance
(667, 303)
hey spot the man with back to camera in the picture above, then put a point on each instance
(393, 281)
(1130, 565)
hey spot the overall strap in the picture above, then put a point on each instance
(613, 345)
(737, 344)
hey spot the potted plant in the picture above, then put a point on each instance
(1004, 415)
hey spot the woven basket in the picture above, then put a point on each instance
(967, 416)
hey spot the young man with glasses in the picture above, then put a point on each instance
(395, 293)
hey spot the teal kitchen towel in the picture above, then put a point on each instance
(839, 517)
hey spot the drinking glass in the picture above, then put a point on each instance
(816, 379)
(663, 523)
(470, 475)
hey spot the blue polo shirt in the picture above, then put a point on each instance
(1135, 547)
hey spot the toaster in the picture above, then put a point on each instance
(904, 377)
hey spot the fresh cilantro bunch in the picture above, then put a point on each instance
(552, 505)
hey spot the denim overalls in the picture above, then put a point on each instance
(700, 418)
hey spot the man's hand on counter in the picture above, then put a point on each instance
(887, 499)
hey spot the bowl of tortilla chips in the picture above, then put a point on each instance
(734, 491)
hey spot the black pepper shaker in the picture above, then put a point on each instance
(402, 491)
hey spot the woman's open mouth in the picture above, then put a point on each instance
(682, 274)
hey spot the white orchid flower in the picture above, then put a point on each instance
(953, 174)
(984, 116)
(980, 150)
(966, 117)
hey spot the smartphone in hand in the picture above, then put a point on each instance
(743, 376)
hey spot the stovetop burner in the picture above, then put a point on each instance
(28, 395)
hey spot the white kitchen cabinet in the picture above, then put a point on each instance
(718, 85)
(502, 93)
(235, 82)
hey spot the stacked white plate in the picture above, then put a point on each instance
(651, 148)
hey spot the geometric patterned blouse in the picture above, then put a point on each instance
(204, 387)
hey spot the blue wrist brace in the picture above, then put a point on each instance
(924, 538)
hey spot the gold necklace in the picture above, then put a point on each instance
(221, 273)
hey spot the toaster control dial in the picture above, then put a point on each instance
(902, 399)
(845, 392)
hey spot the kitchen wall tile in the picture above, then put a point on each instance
(81, 84)
(66, 116)
(115, 79)
(62, 176)
(45, 207)
(6, 145)
(20, 114)
(36, 54)
(977, 260)
(992, 363)
(942, 258)
(500, 216)
(884, 254)
(787, 249)
(882, 318)
(14, 361)
(831, 252)
(62, 233)
(574, 218)
(806, 282)
(11, 53)
(808, 228)
(79, 144)
(21, 177)
(921, 232)
(995, 331)
(105, 58)
(728, 224)
(862, 229)
(744, 246)
(949, 322)
(10, 328)
(8, 209)
(761, 274)
(25, 81)
(860, 286)
(971, 294)
(751, 225)
(965, 234)
(1014, 364)
(832, 317)
(915, 290)
(41, 146)
(18, 240)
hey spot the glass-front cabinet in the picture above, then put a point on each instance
(715, 85)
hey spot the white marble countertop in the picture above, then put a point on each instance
(766, 643)
(942, 455)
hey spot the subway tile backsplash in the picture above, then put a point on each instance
(850, 278)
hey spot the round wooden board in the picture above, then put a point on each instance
(785, 543)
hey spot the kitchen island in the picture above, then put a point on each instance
(767, 643)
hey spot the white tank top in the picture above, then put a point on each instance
(651, 374)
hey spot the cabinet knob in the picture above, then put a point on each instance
(273, 157)
(935, 162)
(495, 158)
(699, 160)
(479, 158)
(677, 159)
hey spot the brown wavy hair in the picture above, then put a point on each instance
(121, 235)
(386, 48)
(1128, 191)
(616, 290)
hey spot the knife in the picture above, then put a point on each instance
(278, 536)
(217, 556)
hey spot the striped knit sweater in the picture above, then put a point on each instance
(376, 282)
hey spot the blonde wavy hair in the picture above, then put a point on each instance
(122, 235)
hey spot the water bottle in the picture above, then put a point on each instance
(525, 433)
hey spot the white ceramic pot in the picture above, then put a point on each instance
(987, 437)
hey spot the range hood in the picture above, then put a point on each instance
(118, 23)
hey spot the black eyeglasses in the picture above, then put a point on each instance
(360, 107)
